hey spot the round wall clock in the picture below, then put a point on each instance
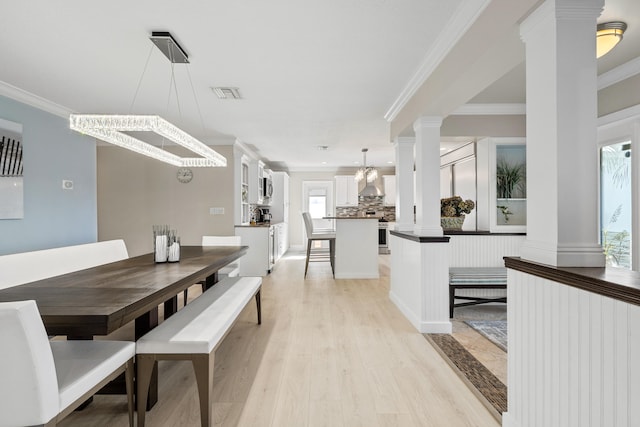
(184, 175)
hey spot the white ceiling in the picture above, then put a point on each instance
(310, 73)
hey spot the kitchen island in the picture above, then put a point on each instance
(356, 247)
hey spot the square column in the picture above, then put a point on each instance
(427, 201)
(562, 161)
(404, 147)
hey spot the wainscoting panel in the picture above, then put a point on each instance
(419, 283)
(483, 251)
(573, 356)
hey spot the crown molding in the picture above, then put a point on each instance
(33, 100)
(631, 113)
(618, 74)
(464, 16)
(490, 110)
(427, 122)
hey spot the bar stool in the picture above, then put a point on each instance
(318, 255)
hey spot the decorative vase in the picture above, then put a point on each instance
(452, 222)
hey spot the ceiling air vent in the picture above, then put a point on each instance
(227, 92)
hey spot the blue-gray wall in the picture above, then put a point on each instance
(52, 152)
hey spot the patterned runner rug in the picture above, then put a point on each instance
(486, 385)
(494, 330)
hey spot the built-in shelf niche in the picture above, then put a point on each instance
(507, 185)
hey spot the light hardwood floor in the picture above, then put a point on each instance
(328, 353)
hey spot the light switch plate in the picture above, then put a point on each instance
(67, 184)
(216, 211)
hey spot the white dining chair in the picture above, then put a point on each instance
(43, 381)
(318, 254)
(229, 270)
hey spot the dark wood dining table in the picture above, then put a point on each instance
(102, 299)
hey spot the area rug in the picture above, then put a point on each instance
(494, 330)
(491, 391)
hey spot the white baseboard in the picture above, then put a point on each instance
(436, 327)
(508, 421)
(410, 315)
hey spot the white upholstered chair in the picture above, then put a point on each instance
(316, 254)
(26, 267)
(229, 270)
(43, 381)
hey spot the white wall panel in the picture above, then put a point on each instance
(572, 356)
(483, 251)
(419, 284)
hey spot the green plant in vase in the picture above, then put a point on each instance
(509, 179)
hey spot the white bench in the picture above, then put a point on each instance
(475, 278)
(25, 267)
(194, 333)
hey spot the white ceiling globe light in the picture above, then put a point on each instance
(608, 35)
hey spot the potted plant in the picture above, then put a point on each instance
(453, 210)
(509, 177)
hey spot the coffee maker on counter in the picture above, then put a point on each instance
(264, 216)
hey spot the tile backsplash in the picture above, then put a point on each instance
(375, 203)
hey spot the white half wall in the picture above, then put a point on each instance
(572, 356)
(420, 283)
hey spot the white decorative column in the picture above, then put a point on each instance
(570, 344)
(404, 183)
(562, 163)
(427, 130)
(419, 282)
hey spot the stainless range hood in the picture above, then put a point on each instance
(370, 189)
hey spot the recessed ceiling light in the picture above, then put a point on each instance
(324, 163)
(227, 92)
(390, 162)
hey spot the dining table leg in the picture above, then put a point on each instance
(211, 280)
(170, 307)
(144, 324)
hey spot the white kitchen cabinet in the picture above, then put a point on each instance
(280, 199)
(258, 260)
(389, 190)
(346, 190)
(281, 236)
(256, 185)
(245, 215)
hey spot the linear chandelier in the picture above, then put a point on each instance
(112, 128)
